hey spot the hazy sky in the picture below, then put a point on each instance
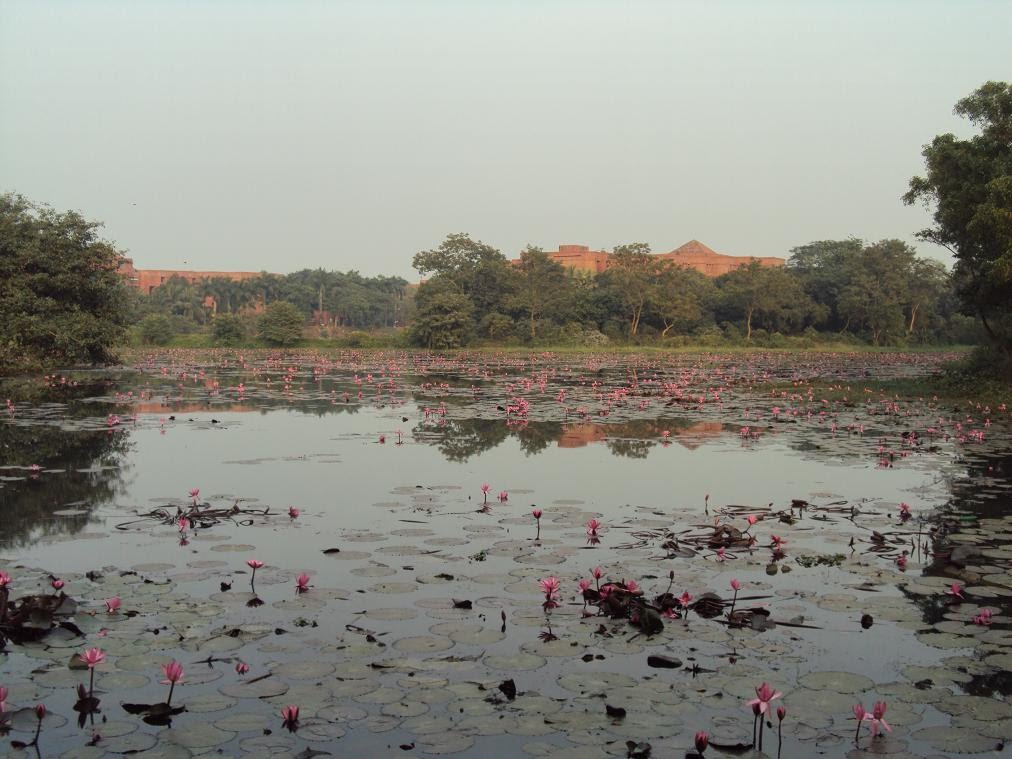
(281, 134)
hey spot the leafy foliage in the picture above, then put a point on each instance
(155, 329)
(228, 329)
(969, 185)
(61, 300)
(281, 324)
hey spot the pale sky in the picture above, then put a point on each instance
(281, 134)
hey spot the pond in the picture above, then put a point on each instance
(706, 523)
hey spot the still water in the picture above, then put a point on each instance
(423, 591)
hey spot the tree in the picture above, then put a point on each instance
(681, 297)
(281, 324)
(475, 270)
(969, 185)
(228, 329)
(443, 318)
(541, 285)
(767, 293)
(155, 329)
(633, 273)
(61, 300)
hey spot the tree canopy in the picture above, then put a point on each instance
(968, 184)
(61, 300)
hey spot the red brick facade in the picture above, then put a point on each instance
(692, 255)
(147, 280)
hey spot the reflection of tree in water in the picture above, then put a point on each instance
(986, 473)
(27, 505)
(460, 439)
(534, 437)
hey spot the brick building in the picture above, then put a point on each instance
(691, 255)
(146, 280)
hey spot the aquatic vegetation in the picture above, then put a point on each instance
(421, 608)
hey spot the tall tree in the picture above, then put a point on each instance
(61, 299)
(969, 185)
(541, 285)
(634, 274)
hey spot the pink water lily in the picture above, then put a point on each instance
(3, 699)
(241, 667)
(290, 716)
(173, 672)
(550, 587)
(293, 512)
(112, 605)
(701, 741)
(302, 583)
(764, 694)
(956, 591)
(593, 526)
(5, 579)
(878, 711)
(57, 584)
(93, 657)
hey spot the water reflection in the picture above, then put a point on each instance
(89, 467)
(461, 439)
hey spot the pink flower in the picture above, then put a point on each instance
(878, 718)
(254, 564)
(904, 510)
(302, 582)
(173, 672)
(684, 599)
(901, 561)
(194, 493)
(983, 618)
(57, 584)
(5, 579)
(764, 694)
(593, 526)
(631, 586)
(597, 572)
(290, 714)
(93, 657)
(777, 541)
(752, 519)
(112, 605)
(550, 586)
(40, 711)
(503, 496)
(3, 699)
(781, 712)
(702, 740)
(721, 553)
(241, 667)
(860, 713)
(955, 590)
(584, 584)
(669, 613)
(293, 512)
(735, 584)
(485, 488)
(536, 513)
(183, 524)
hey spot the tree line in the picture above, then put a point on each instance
(880, 292)
(61, 300)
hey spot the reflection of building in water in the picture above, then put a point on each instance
(579, 435)
(691, 255)
(170, 407)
